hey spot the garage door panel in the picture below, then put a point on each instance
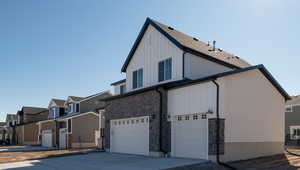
(47, 138)
(189, 137)
(130, 136)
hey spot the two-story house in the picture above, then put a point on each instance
(186, 98)
(26, 128)
(292, 121)
(73, 123)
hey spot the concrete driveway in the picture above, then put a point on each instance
(101, 161)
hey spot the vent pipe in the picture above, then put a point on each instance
(214, 45)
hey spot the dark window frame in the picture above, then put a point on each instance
(165, 70)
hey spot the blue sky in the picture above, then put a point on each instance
(56, 48)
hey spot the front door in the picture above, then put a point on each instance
(62, 138)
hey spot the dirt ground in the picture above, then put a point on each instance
(6, 157)
(284, 161)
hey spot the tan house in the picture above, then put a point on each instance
(27, 129)
(73, 123)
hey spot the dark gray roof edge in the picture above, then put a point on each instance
(187, 82)
(173, 40)
(118, 82)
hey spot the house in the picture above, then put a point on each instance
(3, 131)
(26, 128)
(186, 98)
(11, 122)
(292, 120)
(73, 123)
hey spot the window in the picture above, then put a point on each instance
(70, 107)
(137, 79)
(179, 118)
(295, 132)
(165, 70)
(53, 112)
(69, 125)
(77, 108)
(288, 108)
(122, 89)
(195, 117)
(61, 111)
(187, 117)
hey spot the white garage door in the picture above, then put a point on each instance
(189, 137)
(47, 138)
(130, 135)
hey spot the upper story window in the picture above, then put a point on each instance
(165, 70)
(137, 80)
(122, 89)
(73, 107)
(288, 108)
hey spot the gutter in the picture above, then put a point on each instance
(160, 122)
(218, 129)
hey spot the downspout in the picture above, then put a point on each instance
(160, 122)
(218, 129)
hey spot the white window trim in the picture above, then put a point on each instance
(289, 106)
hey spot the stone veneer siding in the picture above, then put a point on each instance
(142, 104)
(212, 135)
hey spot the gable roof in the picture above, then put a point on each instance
(75, 98)
(33, 110)
(187, 82)
(188, 44)
(58, 102)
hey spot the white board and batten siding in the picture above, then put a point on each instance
(117, 88)
(189, 135)
(153, 48)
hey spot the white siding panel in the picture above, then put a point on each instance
(252, 107)
(197, 98)
(154, 47)
(197, 67)
(117, 89)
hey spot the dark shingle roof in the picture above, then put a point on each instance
(189, 44)
(33, 110)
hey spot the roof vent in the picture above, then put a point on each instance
(220, 49)
(237, 57)
(208, 43)
(170, 28)
(195, 39)
(214, 45)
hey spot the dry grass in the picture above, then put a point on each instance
(6, 157)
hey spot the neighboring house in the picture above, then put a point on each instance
(26, 129)
(77, 126)
(292, 120)
(186, 98)
(11, 122)
(3, 131)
